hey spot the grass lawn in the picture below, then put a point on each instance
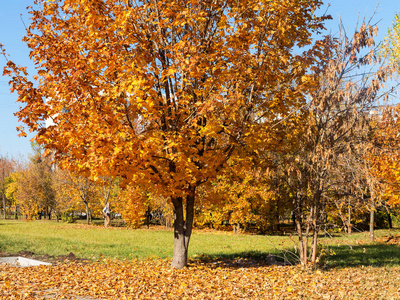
(92, 242)
(52, 238)
(356, 250)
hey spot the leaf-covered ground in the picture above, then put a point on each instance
(154, 279)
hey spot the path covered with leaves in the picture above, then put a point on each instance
(154, 279)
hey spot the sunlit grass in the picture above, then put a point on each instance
(48, 237)
(92, 242)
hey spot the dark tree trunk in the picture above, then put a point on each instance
(148, 215)
(389, 218)
(182, 229)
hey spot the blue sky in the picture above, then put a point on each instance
(12, 30)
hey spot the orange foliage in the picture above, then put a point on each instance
(163, 93)
(133, 205)
(385, 159)
(244, 200)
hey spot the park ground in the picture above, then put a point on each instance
(91, 262)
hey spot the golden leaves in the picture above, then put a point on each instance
(151, 69)
(154, 279)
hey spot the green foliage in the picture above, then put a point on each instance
(68, 217)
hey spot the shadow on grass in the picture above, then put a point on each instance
(377, 254)
(248, 259)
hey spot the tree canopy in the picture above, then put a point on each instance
(163, 93)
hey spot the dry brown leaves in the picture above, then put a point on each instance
(390, 240)
(154, 279)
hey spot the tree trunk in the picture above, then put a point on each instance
(314, 250)
(4, 204)
(182, 229)
(87, 213)
(302, 236)
(349, 221)
(303, 239)
(315, 221)
(389, 218)
(148, 215)
(302, 245)
(371, 223)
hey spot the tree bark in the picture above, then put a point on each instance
(371, 222)
(182, 229)
(302, 244)
(389, 218)
(314, 249)
(349, 225)
(303, 236)
(315, 220)
(87, 213)
(4, 204)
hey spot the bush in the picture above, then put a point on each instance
(68, 217)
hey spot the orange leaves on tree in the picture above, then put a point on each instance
(134, 203)
(189, 83)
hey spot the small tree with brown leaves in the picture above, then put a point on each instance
(333, 128)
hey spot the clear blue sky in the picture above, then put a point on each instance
(12, 30)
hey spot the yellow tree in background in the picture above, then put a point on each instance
(77, 192)
(32, 189)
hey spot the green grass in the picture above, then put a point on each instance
(49, 237)
(355, 250)
(52, 238)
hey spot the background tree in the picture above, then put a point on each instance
(384, 159)
(163, 93)
(80, 190)
(7, 165)
(134, 204)
(30, 186)
(242, 199)
(333, 128)
(391, 47)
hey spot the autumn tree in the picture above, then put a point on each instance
(133, 205)
(7, 166)
(244, 199)
(78, 189)
(391, 47)
(162, 93)
(384, 160)
(334, 127)
(31, 185)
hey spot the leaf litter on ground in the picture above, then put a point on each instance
(154, 279)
